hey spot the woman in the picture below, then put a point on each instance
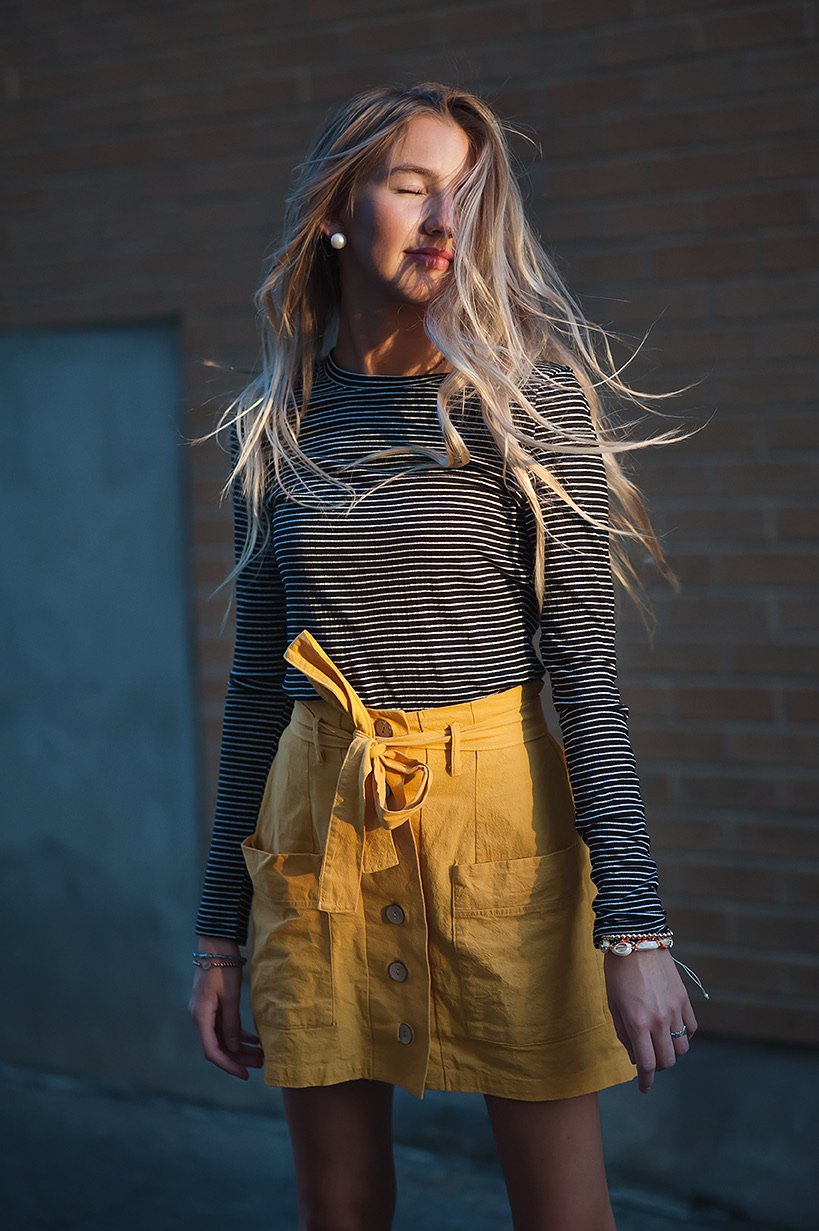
(421, 478)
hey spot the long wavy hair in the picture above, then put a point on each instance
(503, 309)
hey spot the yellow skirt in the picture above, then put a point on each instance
(422, 901)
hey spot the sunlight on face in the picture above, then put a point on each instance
(406, 206)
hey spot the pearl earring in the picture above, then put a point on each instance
(338, 240)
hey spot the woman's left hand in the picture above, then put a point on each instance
(647, 1000)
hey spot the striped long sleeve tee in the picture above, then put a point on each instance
(422, 591)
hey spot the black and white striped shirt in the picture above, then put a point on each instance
(423, 595)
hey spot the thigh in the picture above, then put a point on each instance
(551, 1152)
(341, 1137)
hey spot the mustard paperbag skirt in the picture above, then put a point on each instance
(422, 901)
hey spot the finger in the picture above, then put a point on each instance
(645, 1059)
(251, 1051)
(680, 1043)
(207, 1024)
(665, 1053)
(688, 1017)
(231, 1023)
(229, 1033)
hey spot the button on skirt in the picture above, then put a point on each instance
(442, 937)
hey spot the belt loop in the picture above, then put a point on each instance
(454, 748)
(316, 742)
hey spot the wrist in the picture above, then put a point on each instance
(624, 943)
(217, 944)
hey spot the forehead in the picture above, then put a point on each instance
(433, 147)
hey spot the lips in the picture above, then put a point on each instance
(431, 258)
(436, 252)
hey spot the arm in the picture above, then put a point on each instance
(255, 714)
(578, 650)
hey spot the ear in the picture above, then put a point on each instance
(329, 226)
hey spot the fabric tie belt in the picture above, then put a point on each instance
(379, 786)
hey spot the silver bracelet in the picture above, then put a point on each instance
(217, 959)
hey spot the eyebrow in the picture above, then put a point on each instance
(408, 166)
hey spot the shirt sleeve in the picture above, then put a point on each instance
(256, 711)
(578, 649)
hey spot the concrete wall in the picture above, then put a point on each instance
(98, 749)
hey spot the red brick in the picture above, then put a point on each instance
(771, 747)
(648, 132)
(693, 79)
(556, 15)
(603, 93)
(741, 971)
(755, 1017)
(775, 479)
(777, 659)
(689, 170)
(782, 929)
(757, 387)
(802, 794)
(794, 340)
(793, 67)
(755, 209)
(472, 23)
(793, 432)
(641, 662)
(671, 832)
(725, 788)
(689, 303)
(802, 705)
(712, 260)
(569, 138)
(718, 525)
(802, 887)
(795, 615)
(677, 745)
(783, 252)
(755, 120)
(607, 264)
(747, 704)
(641, 46)
(755, 299)
(780, 838)
(769, 25)
(713, 881)
(699, 923)
(791, 158)
(772, 569)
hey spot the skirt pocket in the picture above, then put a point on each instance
(292, 984)
(527, 970)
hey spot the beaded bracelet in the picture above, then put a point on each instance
(626, 942)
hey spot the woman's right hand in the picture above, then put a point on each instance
(214, 1006)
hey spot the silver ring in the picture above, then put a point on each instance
(676, 1034)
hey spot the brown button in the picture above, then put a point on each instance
(397, 971)
(405, 1033)
(382, 727)
(394, 913)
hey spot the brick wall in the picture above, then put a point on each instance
(147, 150)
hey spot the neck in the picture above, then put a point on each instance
(363, 347)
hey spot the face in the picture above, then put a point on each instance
(404, 207)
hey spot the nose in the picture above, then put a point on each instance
(440, 215)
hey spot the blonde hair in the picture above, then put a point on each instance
(503, 309)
